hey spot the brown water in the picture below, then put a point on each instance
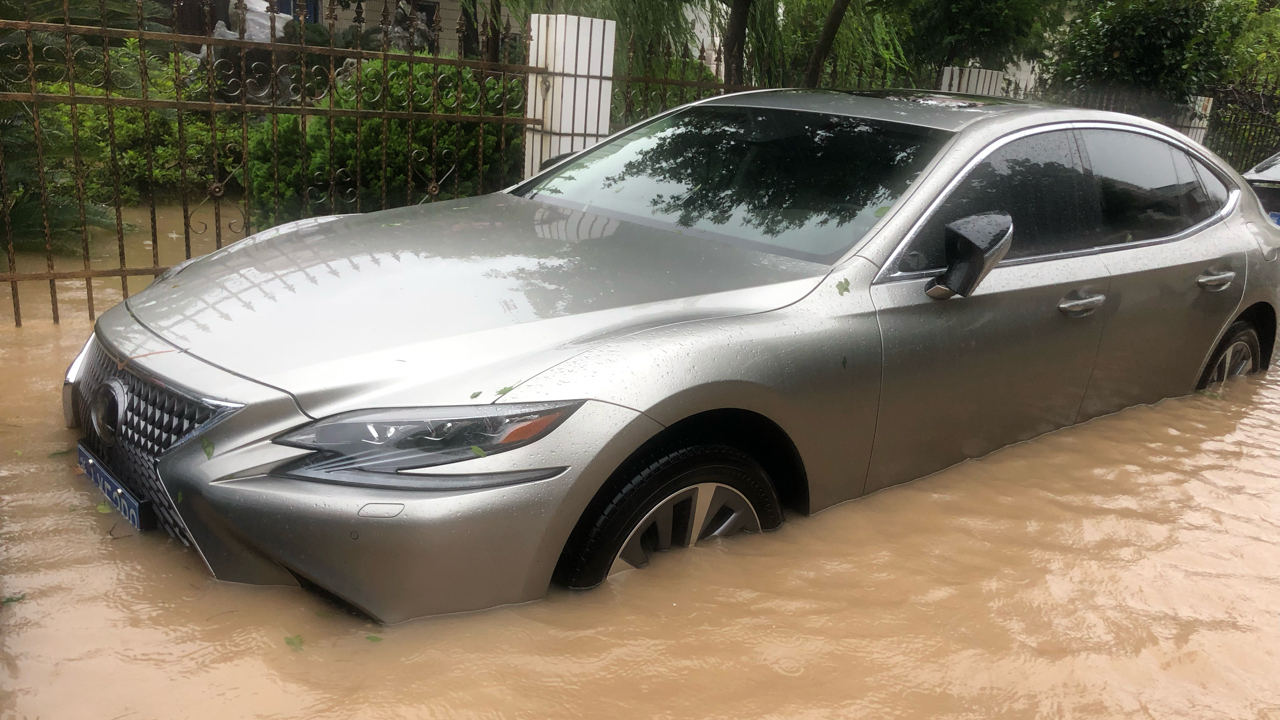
(169, 248)
(1127, 568)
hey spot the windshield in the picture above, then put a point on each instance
(801, 184)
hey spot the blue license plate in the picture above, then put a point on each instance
(1275, 217)
(117, 496)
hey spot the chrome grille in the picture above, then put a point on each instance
(155, 419)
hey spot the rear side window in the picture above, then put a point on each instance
(1038, 180)
(1213, 186)
(1143, 188)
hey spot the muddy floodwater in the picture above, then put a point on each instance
(1126, 568)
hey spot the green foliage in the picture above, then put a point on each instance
(781, 36)
(127, 174)
(1257, 51)
(1172, 48)
(642, 24)
(317, 165)
(993, 32)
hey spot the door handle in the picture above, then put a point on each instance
(1216, 281)
(1079, 307)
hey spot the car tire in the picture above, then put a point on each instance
(655, 504)
(1239, 353)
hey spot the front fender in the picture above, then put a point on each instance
(812, 367)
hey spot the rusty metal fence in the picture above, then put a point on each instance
(135, 134)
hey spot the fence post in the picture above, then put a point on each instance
(572, 97)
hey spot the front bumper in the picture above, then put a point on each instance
(393, 554)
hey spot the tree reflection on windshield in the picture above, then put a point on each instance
(802, 184)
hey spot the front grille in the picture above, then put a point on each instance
(155, 419)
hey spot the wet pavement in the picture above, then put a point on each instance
(1125, 568)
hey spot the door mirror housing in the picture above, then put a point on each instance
(974, 245)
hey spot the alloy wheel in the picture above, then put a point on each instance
(683, 518)
(1235, 361)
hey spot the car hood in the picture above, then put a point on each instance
(449, 303)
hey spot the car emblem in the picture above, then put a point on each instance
(107, 413)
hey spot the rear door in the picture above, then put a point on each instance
(1177, 271)
(967, 375)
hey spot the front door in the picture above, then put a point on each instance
(965, 376)
(1177, 271)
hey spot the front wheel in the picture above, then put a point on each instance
(672, 500)
(1239, 353)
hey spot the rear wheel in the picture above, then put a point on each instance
(674, 499)
(1239, 353)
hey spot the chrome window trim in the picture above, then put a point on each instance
(886, 274)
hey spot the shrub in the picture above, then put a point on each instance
(340, 168)
(1174, 48)
(134, 145)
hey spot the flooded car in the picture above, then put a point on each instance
(770, 301)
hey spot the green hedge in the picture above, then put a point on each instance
(287, 178)
(445, 152)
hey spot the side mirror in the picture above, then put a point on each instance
(554, 159)
(974, 245)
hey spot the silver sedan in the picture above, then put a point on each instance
(764, 301)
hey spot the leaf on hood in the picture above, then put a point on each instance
(479, 451)
(373, 638)
(207, 444)
(842, 287)
(476, 394)
(505, 390)
(11, 599)
(104, 508)
(293, 641)
(60, 453)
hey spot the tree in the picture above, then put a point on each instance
(470, 39)
(993, 32)
(1173, 48)
(735, 42)
(813, 72)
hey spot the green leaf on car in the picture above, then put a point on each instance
(207, 444)
(842, 287)
(880, 211)
(373, 638)
(178, 500)
(506, 390)
(11, 599)
(293, 641)
(104, 508)
(479, 451)
(476, 394)
(60, 453)
(18, 453)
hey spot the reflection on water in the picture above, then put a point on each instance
(1124, 568)
(169, 248)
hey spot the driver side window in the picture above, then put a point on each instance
(1039, 180)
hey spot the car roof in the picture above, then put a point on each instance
(925, 108)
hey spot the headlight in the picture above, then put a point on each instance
(367, 446)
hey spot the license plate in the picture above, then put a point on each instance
(117, 496)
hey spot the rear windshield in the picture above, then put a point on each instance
(805, 185)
